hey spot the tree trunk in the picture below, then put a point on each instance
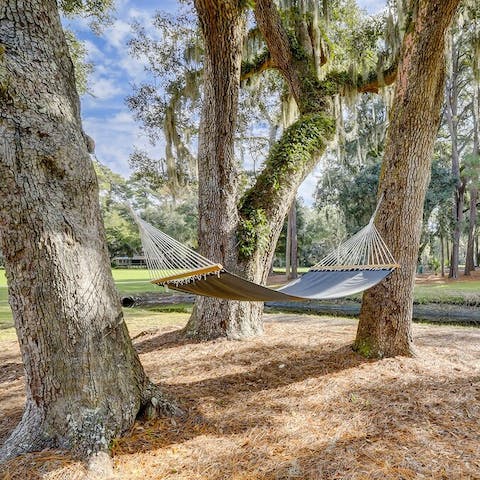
(385, 318)
(459, 201)
(473, 190)
(442, 255)
(477, 252)
(459, 193)
(292, 220)
(223, 26)
(288, 246)
(472, 225)
(84, 382)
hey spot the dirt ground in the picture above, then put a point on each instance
(297, 403)
(432, 278)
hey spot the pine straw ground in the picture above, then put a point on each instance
(294, 404)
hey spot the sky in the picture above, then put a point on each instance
(106, 118)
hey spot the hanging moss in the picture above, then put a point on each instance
(255, 64)
(298, 52)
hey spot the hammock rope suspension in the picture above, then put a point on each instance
(365, 250)
(357, 264)
(169, 260)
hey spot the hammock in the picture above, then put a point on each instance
(356, 265)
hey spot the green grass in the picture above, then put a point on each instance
(128, 281)
(134, 280)
(137, 281)
(5, 312)
(460, 292)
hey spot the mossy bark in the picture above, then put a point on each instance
(249, 230)
(386, 314)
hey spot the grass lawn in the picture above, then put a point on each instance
(129, 281)
(449, 291)
(136, 281)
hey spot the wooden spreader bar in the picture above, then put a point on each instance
(389, 266)
(190, 273)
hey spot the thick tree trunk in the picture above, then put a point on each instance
(84, 382)
(385, 319)
(223, 26)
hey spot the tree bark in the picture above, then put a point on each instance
(442, 255)
(472, 225)
(385, 319)
(84, 381)
(473, 190)
(223, 28)
(459, 193)
(292, 224)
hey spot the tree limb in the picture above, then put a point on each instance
(270, 24)
(263, 61)
(374, 81)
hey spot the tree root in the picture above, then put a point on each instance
(86, 433)
(28, 435)
(155, 404)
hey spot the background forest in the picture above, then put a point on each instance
(163, 188)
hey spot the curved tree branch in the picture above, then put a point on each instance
(263, 61)
(374, 81)
(270, 24)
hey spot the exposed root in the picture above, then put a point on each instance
(156, 403)
(100, 467)
(28, 435)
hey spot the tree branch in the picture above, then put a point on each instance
(270, 24)
(374, 81)
(263, 61)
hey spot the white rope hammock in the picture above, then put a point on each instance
(365, 250)
(167, 259)
(357, 264)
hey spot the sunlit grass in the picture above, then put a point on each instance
(137, 281)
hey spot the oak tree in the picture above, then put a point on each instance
(84, 381)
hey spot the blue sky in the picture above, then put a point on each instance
(106, 117)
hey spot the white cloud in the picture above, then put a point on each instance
(372, 6)
(117, 34)
(104, 88)
(94, 54)
(115, 138)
